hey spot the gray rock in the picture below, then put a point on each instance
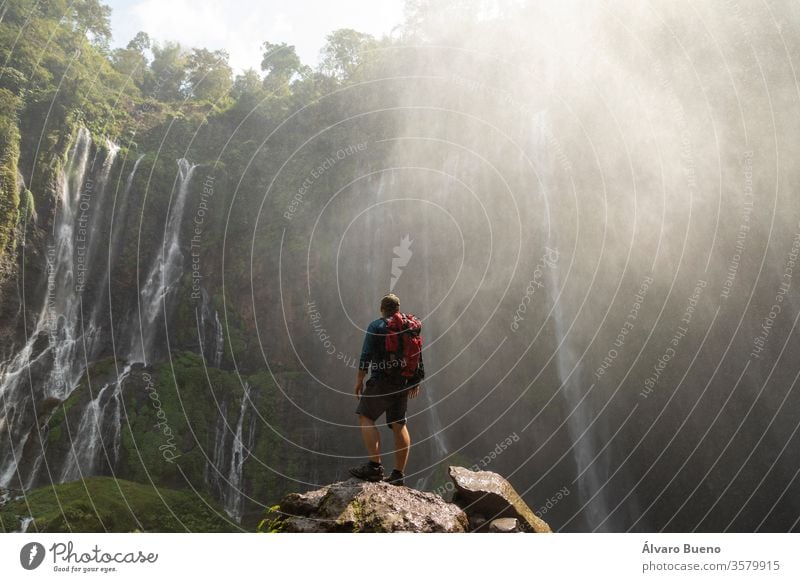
(504, 525)
(359, 506)
(488, 494)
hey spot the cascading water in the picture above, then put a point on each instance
(213, 347)
(48, 366)
(99, 429)
(86, 438)
(567, 362)
(227, 472)
(114, 242)
(89, 240)
(590, 481)
(421, 297)
(219, 341)
(166, 270)
(212, 472)
(439, 439)
(233, 500)
(24, 524)
(373, 217)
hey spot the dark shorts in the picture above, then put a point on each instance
(381, 396)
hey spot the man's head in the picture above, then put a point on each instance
(390, 304)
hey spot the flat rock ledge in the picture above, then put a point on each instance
(483, 502)
(360, 506)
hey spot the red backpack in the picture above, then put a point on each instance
(404, 345)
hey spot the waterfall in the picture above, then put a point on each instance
(53, 360)
(24, 524)
(233, 497)
(47, 369)
(577, 404)
(100, 426)
(114, 242)
(440, 449)
(590, 481)
(85, 440)
(215, 346)
(89, 240)
(225, 467)
(166, 270)
(440, 444)
(219, 341)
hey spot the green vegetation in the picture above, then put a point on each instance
(99, 504)
(173, 445)
(60, 412)
(9, 156)
(273, 522)
(59, 73)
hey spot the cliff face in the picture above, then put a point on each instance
(92, 381)
(485, 502)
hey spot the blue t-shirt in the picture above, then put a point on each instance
(373, 351)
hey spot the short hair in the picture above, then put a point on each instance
(390, 303)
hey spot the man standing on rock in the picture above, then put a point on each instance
(387, 391)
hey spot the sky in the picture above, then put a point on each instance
(241, 26)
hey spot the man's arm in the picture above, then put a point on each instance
(413, 391)
(360, 375)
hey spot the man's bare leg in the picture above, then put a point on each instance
(372, 438)
(402, 443)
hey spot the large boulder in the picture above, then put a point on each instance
(360, 506)
(488, 496)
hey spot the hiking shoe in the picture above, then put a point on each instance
(396, 478)
(368, 472)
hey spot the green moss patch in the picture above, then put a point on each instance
(101, 504)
